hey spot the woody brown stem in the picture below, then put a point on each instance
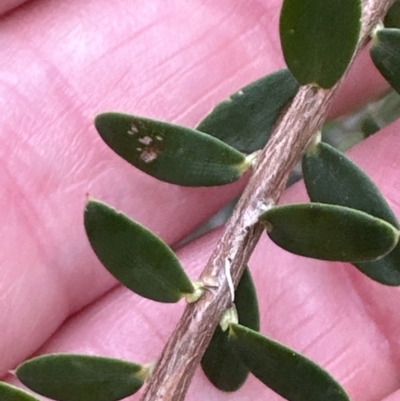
(304, 117)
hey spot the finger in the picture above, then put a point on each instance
(63, 64)
(393, 397)
(73, 62)
(355, 91)
(328, 311)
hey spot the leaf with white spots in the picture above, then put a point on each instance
(171, 153)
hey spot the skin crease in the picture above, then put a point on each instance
(9, 5)
(62, 63)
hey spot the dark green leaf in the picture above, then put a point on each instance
(220, 363)
(392, 19)
(329, 232)
(245, 120)
(70, 377)
(11, 393)
(369, 126)
(385, 270)
(319, 38)
(288, 373)
(246, 302)
(134, 255)
(385, 53)
(331, 177)
(171, 153)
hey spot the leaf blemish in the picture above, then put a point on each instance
(148, 156)
(146, 140)
(134, 130)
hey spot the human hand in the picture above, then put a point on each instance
(64, 62)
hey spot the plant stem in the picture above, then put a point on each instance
(304, 117)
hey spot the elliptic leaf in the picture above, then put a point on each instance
(392, 18)
(385, 53)
(385, 270)
(246, 302)
(72, 377)
(220, 363)
(329, 232)
(245, 120)
(11, 393)
(134, 255)
(286, 372)
(331, 177)
(171, 153)
(319, 38)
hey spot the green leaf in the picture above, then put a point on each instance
(286, 372)
(385, 270)
(392, 18)
(220, 363)
(319, 38)
(385, 53)
(11, 393)
(71, 377)
(331, 177)
(329, 232)
(134, 255)
(245, 120)
(171, 153)
(246, 302)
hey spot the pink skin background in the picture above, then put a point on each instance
(61, 63)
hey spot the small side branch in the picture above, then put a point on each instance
(305, 116)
